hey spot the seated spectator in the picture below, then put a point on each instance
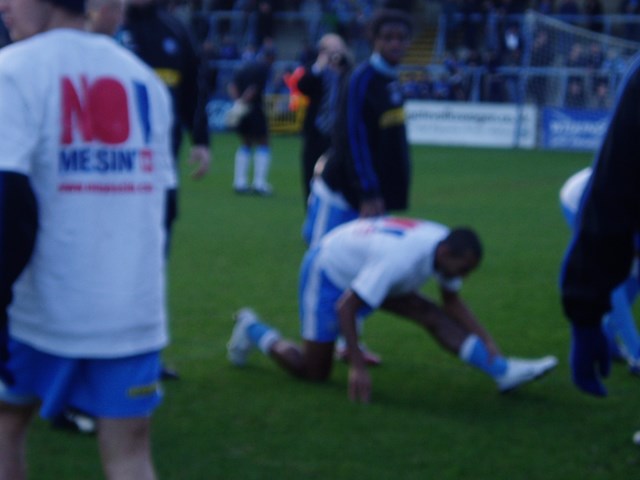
(576, 96)
(248, 53)
(228, 49)
(411, 85)
(602, 95)
(441, 88)
(542, 55)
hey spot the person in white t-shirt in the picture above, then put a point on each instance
(84, 173)
(382, 262)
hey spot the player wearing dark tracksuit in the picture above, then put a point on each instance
(601, 252)
(370, 158)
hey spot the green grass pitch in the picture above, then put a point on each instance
(432, 417)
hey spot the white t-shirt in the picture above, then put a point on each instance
(89, 124)
(383, 257)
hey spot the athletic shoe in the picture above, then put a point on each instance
(239, 346)
(370, 358)
(75, 420)
(521, 371)
(263, 190)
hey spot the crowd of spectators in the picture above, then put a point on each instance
(484, 39)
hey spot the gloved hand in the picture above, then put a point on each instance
(590, 360)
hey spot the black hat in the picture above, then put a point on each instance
(75, 6)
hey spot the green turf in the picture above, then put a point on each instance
(431, 417)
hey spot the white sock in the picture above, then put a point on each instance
(262, 162)
(241, 170)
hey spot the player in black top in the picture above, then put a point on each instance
(248, 85)
(602, 250)
(166, 45)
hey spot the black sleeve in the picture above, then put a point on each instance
(601, 252)
(18, 227)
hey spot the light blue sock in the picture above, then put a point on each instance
(263, 336)
(474, 352)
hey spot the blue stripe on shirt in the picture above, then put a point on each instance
(358, 135)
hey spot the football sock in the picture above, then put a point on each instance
(263, 336)
(474, 352)
(241, 170)
(262, 161)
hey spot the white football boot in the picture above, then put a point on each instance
(521, 371)
(239, 346)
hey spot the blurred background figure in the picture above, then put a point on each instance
(248, 85)
(321, 84)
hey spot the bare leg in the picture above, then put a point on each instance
(432, 318)
(125, 448)
(313, 361)
(14, 422)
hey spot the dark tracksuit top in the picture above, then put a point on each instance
(165, 44)
(600, 255)
(370, 156)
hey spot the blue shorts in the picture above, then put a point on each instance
(317, 297)
(325, 211)
(111, 387)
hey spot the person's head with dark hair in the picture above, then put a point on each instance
(385, 16)
(459, 253)
(390, 32)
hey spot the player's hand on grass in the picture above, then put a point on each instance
(590, 359)
(359, 384)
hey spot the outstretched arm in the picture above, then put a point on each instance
(359, 379)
